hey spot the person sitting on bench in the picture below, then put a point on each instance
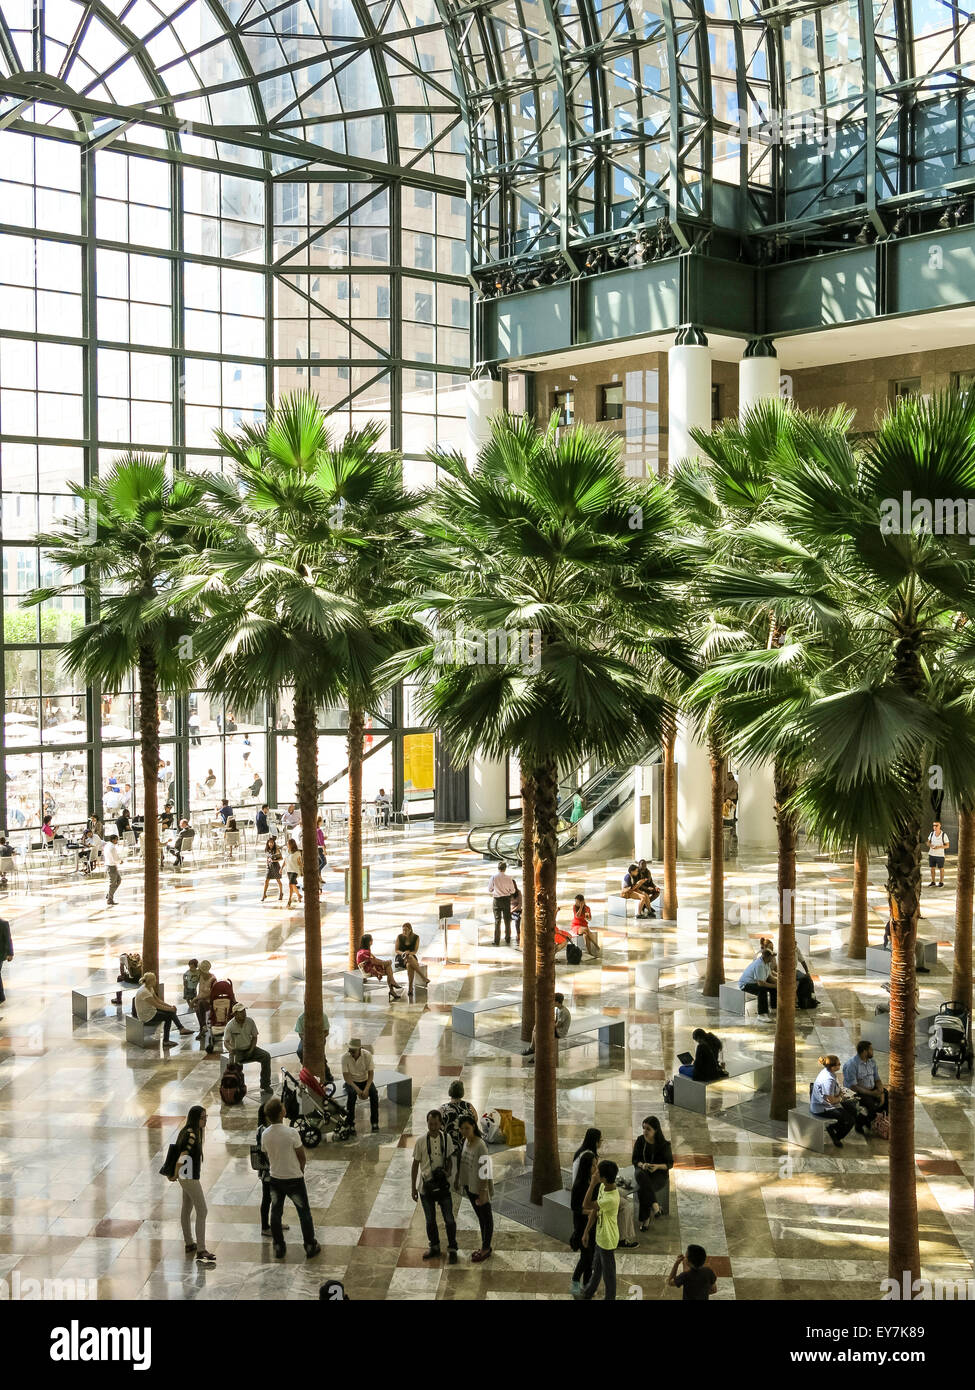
(652, 1160)
(860, 1075)
(240, 1040)
(707, 1058)
(805, 989)
(629, 889)
(358, 1073)
(562, 1020)
(829, 1100)
(149, 1008)
(758, 979)
(375, 969)
(581, 918)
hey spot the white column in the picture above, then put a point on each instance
(688, 393)
(487, 790)
(758, 380)
(484, 401)
(693, 796)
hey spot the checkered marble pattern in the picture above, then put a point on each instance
(84, 1121)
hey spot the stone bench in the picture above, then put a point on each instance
(141, 1034)
(806, 935)
(648, 972)
(733, 1000)
(752, 1073)
(83, 994)
(878, 958)
(618, 906)
(398, 1087)
(557, 1211)
(355, 985)
(464, 1016)
(610, 1031)
(808, 1131)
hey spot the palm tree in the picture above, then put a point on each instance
(859, 915)
(527, 905)
(539, 539)
(961, 975)
(873, 726)
(668, 743)
(135, 526)
(283, 609)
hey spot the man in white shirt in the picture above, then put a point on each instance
(110, 858)
(432, 1158)
(937, 844)
(290, 818)
(240, 1040)
(502, 888)
(383, 805)
(757, 979)
(563, 1019)
(286, 1163)
(357, 1073)
(149, 1008)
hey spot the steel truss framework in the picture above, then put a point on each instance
(590, 118)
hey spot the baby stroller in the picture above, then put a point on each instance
(218, 1014)
(950, 1038)
(311, 1109)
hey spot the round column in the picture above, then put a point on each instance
(688, 393)
(487, 782)
(693, 796)
(758, 380)
(484, 401)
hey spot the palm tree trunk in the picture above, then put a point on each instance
(547, 1168)
(961, 975)
(527, 905)
(357, 924)
(669, 903)
(784, 1053)
(714, 971)
(857, 947)
(306, 745)
(903, 887)
(149, 738)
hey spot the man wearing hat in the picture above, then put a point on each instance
(240, 1038)
(357, 1072)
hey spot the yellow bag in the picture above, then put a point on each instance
(504, 1121)
(516, 1132)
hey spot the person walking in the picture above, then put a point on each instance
(273, 872)
(584, 1162)
(474, 1181)
(286, 1169)
(6, 952)
(576, 815)
(294, 866)
(652, 1161)
(455, 1109)
(264, 1173)
(432, 1160)
(602, 1205)
(937, 844)
(502, 889)
(189, 1163)
(110, 858)
(357, 1073)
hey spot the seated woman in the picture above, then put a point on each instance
(652, 1161)
(645, 898)
(829, 1099)
(581, 917)
(644, 880)
(707, 1065)
(805, 988)
(376, 969)
(405, 958)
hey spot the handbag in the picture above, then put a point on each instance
(881, 1127)
(170, 1163)
(259, 1160)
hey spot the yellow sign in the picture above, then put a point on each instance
(418, 762)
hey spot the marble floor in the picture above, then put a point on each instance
(84, 1120)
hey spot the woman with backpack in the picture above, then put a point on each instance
(273, 874)
(583, 1162)
(189, 1165)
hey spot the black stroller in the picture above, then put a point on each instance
(950, 1038)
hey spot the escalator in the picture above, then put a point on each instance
(605, 792)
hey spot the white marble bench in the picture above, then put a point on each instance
(81, 995)
(610, 1031)
(878, 958)
(733, 1000)
(463, 1016)
(807, 1131)
(648, 972)
(146, 1034)
(744, 1073)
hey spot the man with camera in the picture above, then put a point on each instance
(432, 1157)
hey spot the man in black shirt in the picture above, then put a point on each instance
(695, 1276)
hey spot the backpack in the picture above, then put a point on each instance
(573, 954)
(668, 1093)
(232, 1087)
(129, 968)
